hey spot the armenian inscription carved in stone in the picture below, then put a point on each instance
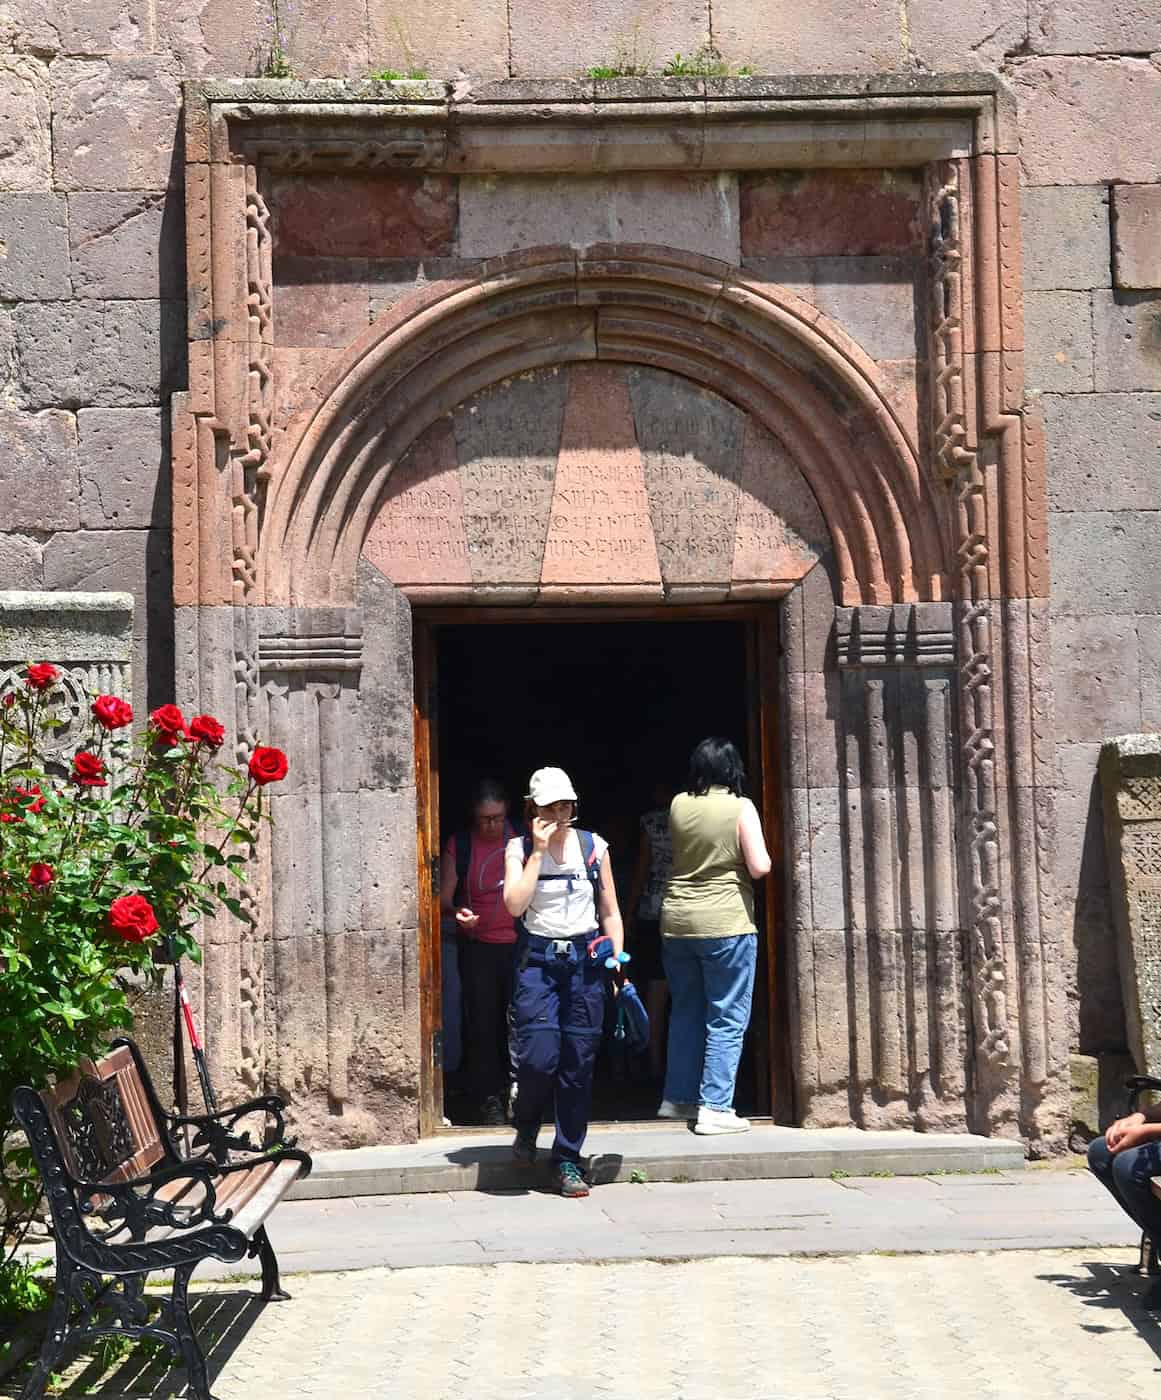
(594, 476)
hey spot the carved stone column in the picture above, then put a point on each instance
(1131, 781)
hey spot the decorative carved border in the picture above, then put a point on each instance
(962, 129)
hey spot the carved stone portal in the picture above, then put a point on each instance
(1130, 771)
(386, 416)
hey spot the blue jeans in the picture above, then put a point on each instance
(1126, 1175)
(711, 983)
(453, 1005)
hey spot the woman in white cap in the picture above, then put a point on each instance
(559, 883)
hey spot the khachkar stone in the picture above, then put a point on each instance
(1131, 779)
(87, 636)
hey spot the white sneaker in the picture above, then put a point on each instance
(669, 1109)
(719, 1120)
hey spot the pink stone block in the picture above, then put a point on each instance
(295, 371)
(418, 536)
(831, 213)
(1137, 237)
(780, 530)
(599, 531)
(381, 216)
(320, 302)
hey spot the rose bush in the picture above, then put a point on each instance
(112, 846)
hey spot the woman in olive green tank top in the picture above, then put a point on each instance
(709, 937)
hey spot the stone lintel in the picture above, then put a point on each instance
(66, 627)
(899, 634)
(627, 124)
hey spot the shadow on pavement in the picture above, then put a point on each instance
(221, 1322)
(496, 1171)
(1114, 1289)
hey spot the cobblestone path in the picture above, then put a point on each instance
(991, 1326)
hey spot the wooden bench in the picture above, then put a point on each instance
(125, 1201)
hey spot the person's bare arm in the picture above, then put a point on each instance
(609, 912)
(752, 842)
(1134, 1134)
(448, 879)
(520, 877)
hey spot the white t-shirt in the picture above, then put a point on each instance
(562, 903)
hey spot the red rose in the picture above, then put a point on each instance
(6, 817)
(88, 770)
(131, 917)
(207, 730)
(9, 700)
(169, 722)
(41, 676)
(40, 876)
(268, 765)
(36, 805)
(112, 713)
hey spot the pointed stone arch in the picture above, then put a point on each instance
(756, 344)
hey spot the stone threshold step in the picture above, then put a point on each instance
(671, 1152)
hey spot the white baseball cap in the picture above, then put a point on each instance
(548, 785)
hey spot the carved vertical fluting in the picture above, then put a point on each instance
(942, 917)
(337, 883)
(881, 868)
(958, 465)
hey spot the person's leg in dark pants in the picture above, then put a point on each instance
(1127, 1175)
(583, 1018)
(489, 987)
(536, 1007)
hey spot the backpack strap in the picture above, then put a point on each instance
(463, 841)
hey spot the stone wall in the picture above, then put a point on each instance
(92, 314)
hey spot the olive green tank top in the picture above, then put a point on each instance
(709, 894)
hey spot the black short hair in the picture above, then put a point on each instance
(487, 790)
(716, 763)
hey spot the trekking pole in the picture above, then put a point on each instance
(183, 1012)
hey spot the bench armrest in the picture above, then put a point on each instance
(216, 1132)
(134, 1204)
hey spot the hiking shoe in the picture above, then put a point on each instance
(719, 1120)
(569, 1180)
(669, 1109)
(492, 1112)
(524, 1149)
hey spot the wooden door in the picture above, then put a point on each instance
(426, 710)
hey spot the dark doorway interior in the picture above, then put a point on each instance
(619, 705)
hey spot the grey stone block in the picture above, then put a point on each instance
(38, 470)
(1126, 340)
(21, 562)
(1094, 665)
(1104, 451)
(1149, 649)
(131, 561)
(127, 245)
(1080, 841)
(1137, 236)
(124, 466)
(114, 122)
(1080, 27)
(695, 212)
(1104, 562)
(115, 353)
(34, 240)
(1065, 237)
(26, 148)
(1058, 341)
(827, 869)
(875, 300)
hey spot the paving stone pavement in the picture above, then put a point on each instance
(913, 1288)
(979, 1326)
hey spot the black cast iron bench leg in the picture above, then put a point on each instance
(191, 1352)
(272, 1290)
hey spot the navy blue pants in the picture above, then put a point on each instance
(1128, 1177)
(558, 1007)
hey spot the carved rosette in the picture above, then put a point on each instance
(1130, 771)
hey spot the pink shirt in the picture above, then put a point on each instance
(484, 894)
